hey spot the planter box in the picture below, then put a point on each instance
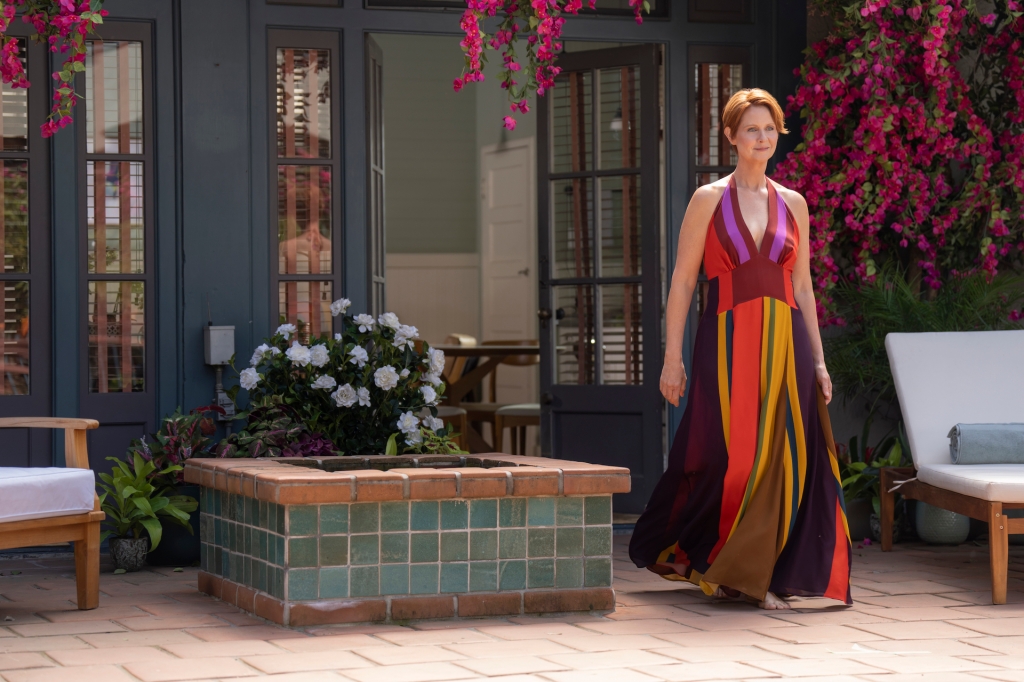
(348, 539)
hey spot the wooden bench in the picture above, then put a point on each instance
(81, 528)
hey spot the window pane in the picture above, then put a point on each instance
(621, 334)
(715, 84)
(304, 220)
(14, 365)
(117, 337)
(115, 225)
(14, 110)
(14, 218)
(574, 334)
(573, 227)
(303, 103)
(620, 117)
(620, 226)
(113, 97)
(307, 305)
(571, 122)
(708, 178)
(612, 7)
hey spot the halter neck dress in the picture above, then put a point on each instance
(752, 498)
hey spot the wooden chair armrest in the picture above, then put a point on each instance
(48, 423)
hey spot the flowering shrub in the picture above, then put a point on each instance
(906, 157)
(180, 438)
(540, 22)
(271, 432)
(63, 24)
(371, 389)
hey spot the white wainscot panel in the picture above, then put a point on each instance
(439, 293)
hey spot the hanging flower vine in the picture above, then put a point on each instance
(63, 25)
(913, 142)
(539, 22)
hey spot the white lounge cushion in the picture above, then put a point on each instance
(520, 410)
(956, 377)
(992, 482)
(42, 492)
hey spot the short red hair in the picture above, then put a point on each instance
(752, 97)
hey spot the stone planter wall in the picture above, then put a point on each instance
(302, 546)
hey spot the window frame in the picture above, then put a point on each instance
(661, 13)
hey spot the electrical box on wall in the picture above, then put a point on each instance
(219, 344)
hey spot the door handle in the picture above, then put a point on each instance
(525, 272)
(544, 314)
(546, 398)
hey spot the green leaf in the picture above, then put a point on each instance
(392, 446)
(119, 571)
(155, 530)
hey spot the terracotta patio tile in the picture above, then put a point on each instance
(915, 600)
(416, 672)
(422, 637)
(645, 611)
(116, 656)
(319, 660)
(407, 654)
(820, 634)
(999, 661)
(924, 629)
(191, 608)
(14, 645)
(506, 648)
(718, 670)
(718, 638)
(864, 651)
(910, 614)
(170, 623)
(994, 626)
(458, 624)
(152, 637)
(82, 627)
(232, 649)
(636, 627)
(329, 643)
(90, 673)
(811, 667)
(538, 630)
(609, 660)
(191, 669)
(1012, 645)
(621, 675)
(227, 634)
(929, 664)
(1005, 675)
(317, 676)
(711, 654)
(907, 587)
(507, 666)
(104, 612)
(24, 660)
(934, 647)
(989, 611)
(934, 677)
(610, 642)
(737, 620)
(826, 616)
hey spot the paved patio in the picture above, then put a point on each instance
(920, 613)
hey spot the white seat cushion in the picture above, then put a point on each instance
(42, 492)
(520, 410)
(992, 482)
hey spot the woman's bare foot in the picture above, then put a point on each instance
(772, 603)
(727, 593)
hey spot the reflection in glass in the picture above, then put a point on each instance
(14, 218)
(620, 226)
(14, 359)
(715, 84)
(113, 97)
(572, 228)
(14, 110)
(304, 220)
(303, 103)
(708, 178)
(571, 122)
(574, 334)
(117, 337)
(621, 334)
(115, 225)
(619, 123)
(307, 305)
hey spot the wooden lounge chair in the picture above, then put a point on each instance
(958, 377)
(43, 505)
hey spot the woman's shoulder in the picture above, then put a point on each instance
(708, 196)
(792, 198)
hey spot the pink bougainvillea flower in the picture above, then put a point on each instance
(510, 123)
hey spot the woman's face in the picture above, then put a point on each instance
(756, 135)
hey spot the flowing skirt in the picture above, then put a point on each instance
(752, 498)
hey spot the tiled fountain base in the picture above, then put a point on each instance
(433, 537)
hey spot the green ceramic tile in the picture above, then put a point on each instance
(333, 550)
(302, 583)
(264, 507)
(261, 579)
(365, 549)
(569, 542)
(364, 518)
(483, 544)
(512, 575)
(394, 548)
(217, 502)
(423, 547)
(394, 516)
(251, 504)
(598, 573)
(278, 540)
(541, 511)
(454, 515)
(483, 576)
(216, 561)
(233, 537)
(541, 542)
(204, 557)
(423, 578)
(275, 581)
(271, 545)
(454, 577)
(512, 512)
(598, 510)
(394, 579)
(455, 546)
(301, 520)
(512, 543)
(364, 581)
(483, 514)
(333, 518)
(302, 552)
(262, 550)
(597, 541)
(239, 508)
(333, 582)
(229, 507)
(423, 516)
(569, 511)
(277, 511)
(247, 540)
(247, 570)
(540, 573)
(218, 532)
(568, 573)
(237, 567)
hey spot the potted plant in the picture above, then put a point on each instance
(862, 481)
(136, 504)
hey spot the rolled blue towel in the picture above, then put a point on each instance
(987, 444)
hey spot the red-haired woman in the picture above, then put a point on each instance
(751, 505)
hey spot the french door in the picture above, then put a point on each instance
(600, 261)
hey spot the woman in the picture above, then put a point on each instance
(751, 505)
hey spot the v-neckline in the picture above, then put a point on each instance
(748, 235)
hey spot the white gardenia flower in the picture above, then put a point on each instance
(337, 337)
(432, 378)
(286, 329)
(364, 321)
(389, 320)
(340, 306)
(298, 354)
(414, 438)
(429, 395)
(404, 374)
(404, 336)
(358, 356)
(318, 355)
(249, 378)
(435, 358)
(345, 396)
(386, 378)
(325, 382)
(257, 355)
(364, 396)
(408, 423)
(433, 423)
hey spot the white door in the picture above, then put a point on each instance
(508, 257)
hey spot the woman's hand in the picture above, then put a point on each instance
(824, 381)
(673, 381)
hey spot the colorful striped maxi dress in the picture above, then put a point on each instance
(752, 497)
